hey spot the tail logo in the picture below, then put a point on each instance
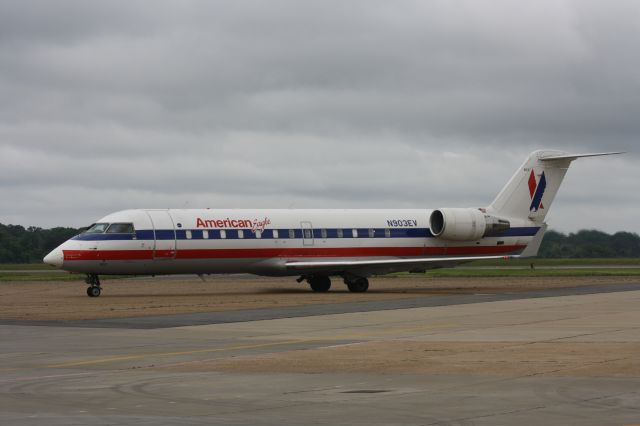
(536, 191)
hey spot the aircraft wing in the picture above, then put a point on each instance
(385, 265)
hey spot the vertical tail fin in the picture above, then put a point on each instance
(531, 190)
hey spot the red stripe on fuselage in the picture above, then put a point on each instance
(259, 253)
(70, 255)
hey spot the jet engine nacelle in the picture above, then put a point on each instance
(459, 224)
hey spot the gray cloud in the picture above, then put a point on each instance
(115, 105)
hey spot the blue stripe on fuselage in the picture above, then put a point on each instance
(331, 233)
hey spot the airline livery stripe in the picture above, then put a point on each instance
(70, 255)
(75, 255)
(331, 233)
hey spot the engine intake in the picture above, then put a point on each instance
(458, 224)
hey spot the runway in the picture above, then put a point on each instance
(561, 356)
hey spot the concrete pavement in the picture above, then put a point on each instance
(552, 360)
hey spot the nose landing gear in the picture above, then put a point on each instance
(94, 285)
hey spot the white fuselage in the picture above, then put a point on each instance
(205, 241)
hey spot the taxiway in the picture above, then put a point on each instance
(547, 357)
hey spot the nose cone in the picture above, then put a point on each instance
(55, 258)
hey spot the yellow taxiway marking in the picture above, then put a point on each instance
(166, 354)
(367, 335)
(397, 332)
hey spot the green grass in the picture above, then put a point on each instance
(26, 276)
(41, 272)
(472, 272)
(558, 262)
(26, 266)
(473, 269)
(55, 276)
(499, 262)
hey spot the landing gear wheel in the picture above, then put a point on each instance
(358, 286)
(94, 285)
(320, 283)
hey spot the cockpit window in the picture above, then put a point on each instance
(97, 228)
(120, 228)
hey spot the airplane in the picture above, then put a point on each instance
(317, 244)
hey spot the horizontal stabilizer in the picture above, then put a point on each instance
(572, 157)
(531, 190)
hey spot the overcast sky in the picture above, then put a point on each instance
(109, 105)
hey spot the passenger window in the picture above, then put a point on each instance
(307, 233)
(240, 233)
(323, 233)
(275, 233)
(120, 228)
(258, 234)
(205, 234)
(340, 233)
(371, 233)
(97, 228)
(354, 232)
(223, 234)
(387, 233)
(292, 234)
(188, 235)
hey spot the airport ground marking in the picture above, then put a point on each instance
(344, 336)
(50, 376)
(391, 331)
(177, 353)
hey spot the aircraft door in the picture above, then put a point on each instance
(164, 234)
(307, 233)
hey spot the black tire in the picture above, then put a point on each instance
(93, 291)
(320, 284)
(358, 286)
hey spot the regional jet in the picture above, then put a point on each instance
(315, 245)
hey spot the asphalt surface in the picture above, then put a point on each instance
(286, 366)
(203, 318)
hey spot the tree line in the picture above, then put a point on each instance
(589, 244)
(30, 245)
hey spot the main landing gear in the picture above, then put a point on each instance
(94, 285)
(322, 283)
(319, 283)
(357, 285)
